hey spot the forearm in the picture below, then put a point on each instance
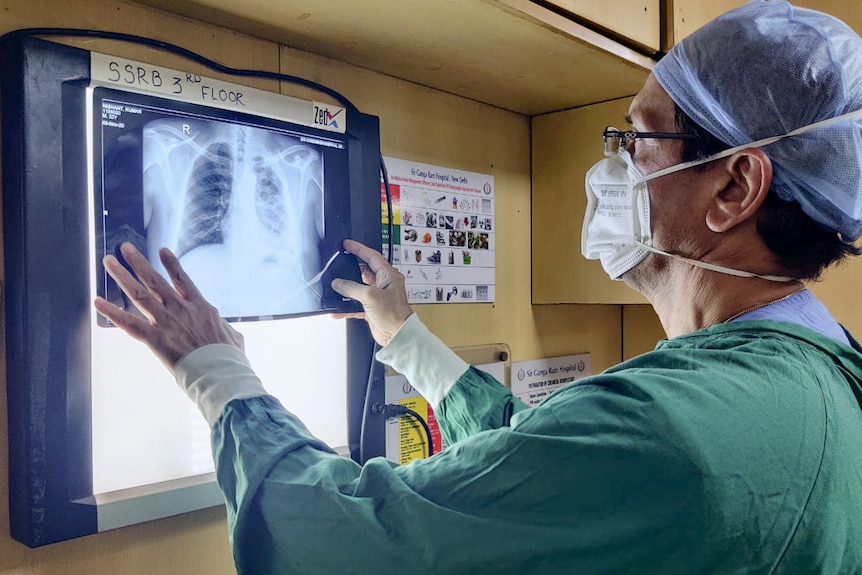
(296, 507)
(427, 363)
(465, 399)
(475, 403)
(498, 502)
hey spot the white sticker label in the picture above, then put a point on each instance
(133, 76)
(534, 380)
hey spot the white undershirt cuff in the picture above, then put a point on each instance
(214, 375)
(429, 365)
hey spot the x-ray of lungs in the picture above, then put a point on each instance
(242, 208)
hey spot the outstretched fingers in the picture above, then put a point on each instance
(180, 319)
(150, 292)
(143, 299)
(133, 325)
(181, 280)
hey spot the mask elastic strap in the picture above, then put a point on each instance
(717, 268)
(756, 144)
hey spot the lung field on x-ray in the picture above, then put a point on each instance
(242, 208)
(270, 202)
(207, 199)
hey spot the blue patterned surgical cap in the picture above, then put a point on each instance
(766, 69)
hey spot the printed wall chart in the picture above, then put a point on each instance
(443, 232)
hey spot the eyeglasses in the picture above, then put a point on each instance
(616, 140)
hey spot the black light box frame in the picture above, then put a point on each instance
(48, 307)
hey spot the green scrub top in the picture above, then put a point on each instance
(734, 449)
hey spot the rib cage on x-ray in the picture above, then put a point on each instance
(241, 207)
(207, 199)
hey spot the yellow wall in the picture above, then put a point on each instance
(417, 123)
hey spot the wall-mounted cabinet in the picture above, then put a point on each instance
(689, 15)
(634, 21)
(513, 54)
(565, 145)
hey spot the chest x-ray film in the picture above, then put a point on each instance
(256, 211)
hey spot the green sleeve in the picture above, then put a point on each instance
(540, 497)
(475, 403)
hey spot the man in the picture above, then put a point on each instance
(736, 446)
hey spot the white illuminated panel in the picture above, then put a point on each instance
(150, 445)
(146, 431)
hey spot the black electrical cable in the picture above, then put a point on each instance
(401, 410)
(366, 406)
(376, 347)
(179, 50)
(389, 222)
(212, 64)
(418, 418)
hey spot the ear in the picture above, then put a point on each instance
(748, 177)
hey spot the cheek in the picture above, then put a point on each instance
(673, 218)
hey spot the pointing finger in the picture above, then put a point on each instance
(373, 258)
(351, 289)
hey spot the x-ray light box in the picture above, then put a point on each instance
(253, 191)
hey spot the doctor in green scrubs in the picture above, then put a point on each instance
(734, 447)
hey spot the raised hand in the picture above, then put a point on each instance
(179, 320)
(383, 297)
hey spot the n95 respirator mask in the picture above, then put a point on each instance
(617, 223)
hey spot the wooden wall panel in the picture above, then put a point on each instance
(513, 54)
(565, 145)
(638, 21)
